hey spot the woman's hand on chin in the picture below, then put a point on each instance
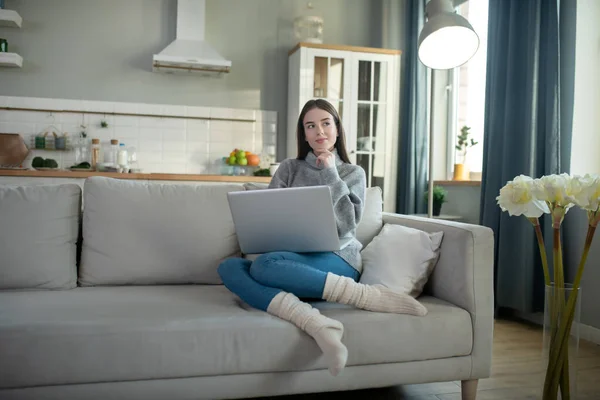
(325, 158)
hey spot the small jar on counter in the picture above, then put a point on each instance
(95, 153)
(110, 157)
(123, 158)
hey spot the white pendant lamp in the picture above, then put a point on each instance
(447, 40)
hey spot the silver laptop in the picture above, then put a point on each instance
(299, 219)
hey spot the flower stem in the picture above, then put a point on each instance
(567, 320)
(559, 277)
(542, 246)
(550, 387)
(563, 379)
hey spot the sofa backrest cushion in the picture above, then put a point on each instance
(143, 233)
(372, 220)
(39, 226)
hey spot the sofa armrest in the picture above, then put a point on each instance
(463, 276)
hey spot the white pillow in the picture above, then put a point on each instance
(401, 258)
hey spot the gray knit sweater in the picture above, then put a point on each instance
(347, 183)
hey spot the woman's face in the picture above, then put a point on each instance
(320, 130)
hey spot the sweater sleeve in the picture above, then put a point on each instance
(280, 178)
(348, 196)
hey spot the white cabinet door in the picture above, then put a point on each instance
(364, 87)
(372, 126)
(327, 76)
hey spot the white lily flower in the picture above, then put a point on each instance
(587, 195)
(517, 198)
(556, 190)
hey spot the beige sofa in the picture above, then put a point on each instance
(144, 316)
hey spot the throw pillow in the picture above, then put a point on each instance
(372, 219)
(401, 258)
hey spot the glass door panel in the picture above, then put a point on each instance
(364, 80)
(379, 83)
(377, 172)
(379, 128)
(339, 106)
(320, 80)
(364, 160)
(363, 127)
(336, 79)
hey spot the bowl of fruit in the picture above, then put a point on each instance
(240, 162)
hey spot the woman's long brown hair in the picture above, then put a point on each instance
(303, 146)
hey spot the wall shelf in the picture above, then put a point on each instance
(10, 19)
(47, 110)
(11, 60)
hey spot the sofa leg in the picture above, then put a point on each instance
(469, 389)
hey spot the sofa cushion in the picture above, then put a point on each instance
(401, 258)
(103, 334)
(150, 233)
(372, 220)
(39, 226)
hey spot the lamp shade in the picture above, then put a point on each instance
(447, 40)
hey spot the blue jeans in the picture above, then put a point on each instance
(303, 274)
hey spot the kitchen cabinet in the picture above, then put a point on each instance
(364, 86)
(10, 19)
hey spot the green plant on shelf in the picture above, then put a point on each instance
(439, 195)
(262, 172)
(464, 142)
(439, 198)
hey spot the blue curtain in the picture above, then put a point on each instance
(528, 120)
(413, 148)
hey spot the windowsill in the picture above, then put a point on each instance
(458, 183)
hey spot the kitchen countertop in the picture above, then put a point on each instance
(31, 173)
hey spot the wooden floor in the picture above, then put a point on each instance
(517, 372)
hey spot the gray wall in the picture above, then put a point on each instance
(102, 50)
(462, 201)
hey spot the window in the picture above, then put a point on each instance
(467, 105)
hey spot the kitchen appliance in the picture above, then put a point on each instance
(190, 52)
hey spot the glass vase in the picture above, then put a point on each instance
(555, 312)
(82, 150)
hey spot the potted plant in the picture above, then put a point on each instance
(439, 198)
(461, 172)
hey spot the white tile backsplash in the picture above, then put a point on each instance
(197, 112)
(149, 157)
(125, 120)
(174, 157)
(197, 147)
(221, 136)
(173, 146)
(173, 135)
(127, 132)
(150, 146)
(168, 145)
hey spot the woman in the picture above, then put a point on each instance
(275, 281)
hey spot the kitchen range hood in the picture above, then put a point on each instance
(189, 52)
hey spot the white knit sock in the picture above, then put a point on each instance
(379, 298)
(327, 332)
